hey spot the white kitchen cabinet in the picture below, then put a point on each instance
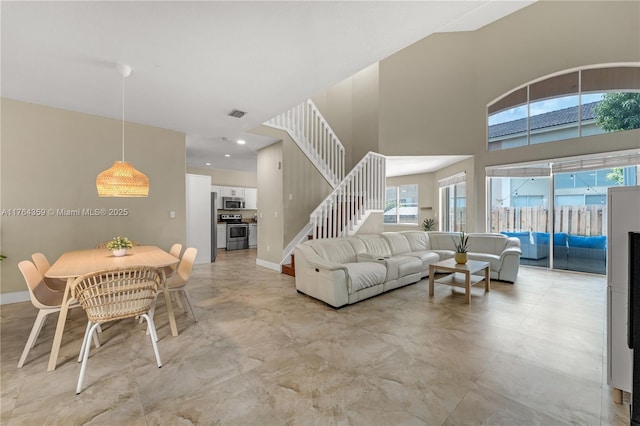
(253, 235)
(216, 189)
(251, 198)
(232, 191)
(221, 235)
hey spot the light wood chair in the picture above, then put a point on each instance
(178, 282)
(175, 252)
(43, 265)
(45, 299)
(115, 294)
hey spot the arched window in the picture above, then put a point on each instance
(572, 104)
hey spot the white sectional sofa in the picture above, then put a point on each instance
(342, 271)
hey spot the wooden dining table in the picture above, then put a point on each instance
(73, 264)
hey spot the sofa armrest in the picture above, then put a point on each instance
(513, 243)
(510, 252)
(312, 259)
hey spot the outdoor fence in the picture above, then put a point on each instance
(575, 220)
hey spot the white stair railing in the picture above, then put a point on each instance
(345, 209)
(361, 191)
(311, 132)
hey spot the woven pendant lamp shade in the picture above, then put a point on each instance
(122, 180)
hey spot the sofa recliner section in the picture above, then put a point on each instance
(341, 271)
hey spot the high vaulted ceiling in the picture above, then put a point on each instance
(194, 62)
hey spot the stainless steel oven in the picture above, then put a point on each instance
(237, 232)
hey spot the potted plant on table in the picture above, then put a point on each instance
(462, 245)
(119, 246)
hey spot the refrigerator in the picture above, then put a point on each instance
(623, 217)
(214, 224)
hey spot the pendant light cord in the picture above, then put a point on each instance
(123, 77)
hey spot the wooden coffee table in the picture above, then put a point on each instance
(461, 275)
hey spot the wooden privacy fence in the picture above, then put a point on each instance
(575, 220)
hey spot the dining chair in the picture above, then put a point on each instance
(115, 294)
(175, 252)
(43, 265)
(45, 299)
(178, 282)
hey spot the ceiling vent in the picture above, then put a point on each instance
(237, 113)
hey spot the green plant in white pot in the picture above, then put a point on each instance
(462, 246)
(119, 246)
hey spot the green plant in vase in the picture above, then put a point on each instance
(119, 246)
(462, 246)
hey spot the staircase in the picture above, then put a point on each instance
(311, 132)
(355, 195)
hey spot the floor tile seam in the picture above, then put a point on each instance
(593, 383)
(522, 403)
(546, 340)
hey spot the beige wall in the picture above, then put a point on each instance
(50, 160)
(432, 95)
(473, 193)
(304, 189)
(223, 177)
(270, 193)
(292, 192)
(426, 198)
(351, 109)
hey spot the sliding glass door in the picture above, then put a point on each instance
(520, 208)
(580, 216)
(558, 211)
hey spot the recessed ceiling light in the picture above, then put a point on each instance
(207, 164)
(241, 142)
(227, 155)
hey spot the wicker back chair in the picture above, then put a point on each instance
(116, 294)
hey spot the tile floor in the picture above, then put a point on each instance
(532, 353)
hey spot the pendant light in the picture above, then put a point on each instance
(122, 179)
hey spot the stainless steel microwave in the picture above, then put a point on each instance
(232, 203)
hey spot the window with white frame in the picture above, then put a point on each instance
(453, 203)
(401, 204)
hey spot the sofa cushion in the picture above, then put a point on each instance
(374, 244)
(493, 259)
(487, 243)
(443, 240)
(364, 275)
(444, 254)
(402, 266)
(427, 257)
(594, 242)
(335, 249)
(418, 240)
(398, 243)
(559, 238)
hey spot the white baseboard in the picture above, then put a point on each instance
(18, 296)
(265, 264)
